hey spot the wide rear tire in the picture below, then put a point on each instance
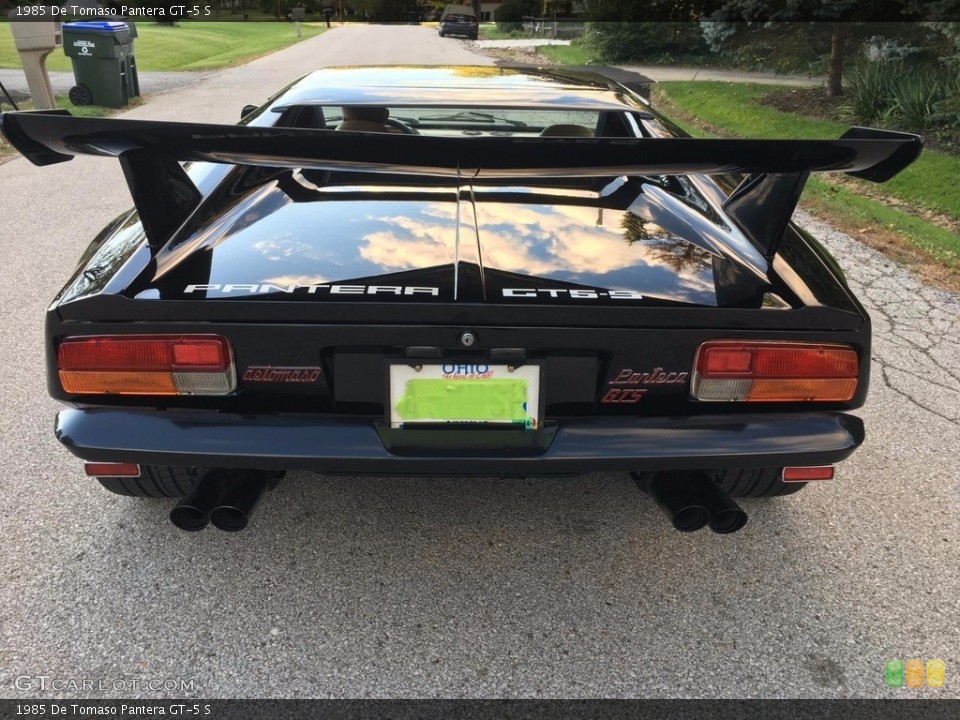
(755, 483)
(155, 482)
(758, 482)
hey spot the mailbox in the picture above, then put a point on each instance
(36, 35)
(35, 40)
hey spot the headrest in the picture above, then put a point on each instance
(565, 130)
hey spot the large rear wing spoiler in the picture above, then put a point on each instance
(150, 153)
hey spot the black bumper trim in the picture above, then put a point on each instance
(304, 442)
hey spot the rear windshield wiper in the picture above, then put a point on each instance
(471, 116)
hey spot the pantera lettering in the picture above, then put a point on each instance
(265, 288)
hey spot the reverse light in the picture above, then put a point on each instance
(146, 365)
(739, 371)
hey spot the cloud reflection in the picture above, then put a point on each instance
(604, 248)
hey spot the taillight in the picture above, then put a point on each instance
(146, 365)
(739, 371)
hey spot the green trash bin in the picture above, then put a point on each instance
(103, 65)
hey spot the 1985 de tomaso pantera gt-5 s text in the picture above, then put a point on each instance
(456, 271)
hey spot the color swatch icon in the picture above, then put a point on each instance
(913, 672)
(893, 673)
(936, 673)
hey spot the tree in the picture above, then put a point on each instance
(510, 13)
(620, 30)
(942, 16)
(384, 10)
(846, 22)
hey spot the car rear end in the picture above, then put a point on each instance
(585, 348)
(539, 301)
(459, 20)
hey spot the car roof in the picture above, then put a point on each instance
(459, 86)
(459, 10)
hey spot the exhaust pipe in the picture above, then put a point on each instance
(725, 515)
(692, 500)
(192, 513)
(674, 493)
(236, 504)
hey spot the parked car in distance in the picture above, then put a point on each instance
(456, 271)
(459, 20)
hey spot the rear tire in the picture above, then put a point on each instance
(752, 483)
(155, 481)
(756, 482)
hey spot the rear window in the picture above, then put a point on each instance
(459, 19)
(455, 121)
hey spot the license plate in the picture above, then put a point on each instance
(465, 393)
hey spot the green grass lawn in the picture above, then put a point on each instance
(930, 184)
(572, 54)
(490, 31)
(191, 46)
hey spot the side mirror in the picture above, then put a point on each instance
(247, 109)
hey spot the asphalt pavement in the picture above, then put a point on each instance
(439, 587)
(151, 83)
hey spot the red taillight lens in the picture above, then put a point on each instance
(806, 474)
(735, 371)
(108, 469)
(146, 365)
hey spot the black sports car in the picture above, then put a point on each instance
(456, 271)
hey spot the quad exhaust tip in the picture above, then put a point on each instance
(225, 498)
(693, 500)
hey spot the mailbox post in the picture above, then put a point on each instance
(34, 41)
(297, 14)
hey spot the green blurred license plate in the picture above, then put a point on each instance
(465, 393)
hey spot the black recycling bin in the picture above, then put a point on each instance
(103, 62)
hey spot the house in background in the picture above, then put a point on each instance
(486, 9)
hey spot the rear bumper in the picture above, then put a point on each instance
(304, 442)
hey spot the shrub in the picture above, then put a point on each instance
(869, 90)
(912, 97)
(622, 41)
(510, 13)
(915, 96)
